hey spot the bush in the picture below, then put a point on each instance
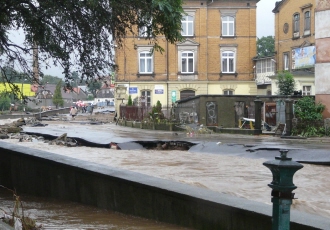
(130, 102)
(156, 112)
(307, 110)
(309, 118)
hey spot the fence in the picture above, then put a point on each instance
(138, 113)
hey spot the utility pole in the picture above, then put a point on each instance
(35, 64)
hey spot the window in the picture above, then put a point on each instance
(145, 62)
(228, 92)
(187, 62)
(145, 98)
(186, 93)
(306, 90)
(296, 25)
(286, 61)
(307, 25)
(228, 62)
(265, 66)
(143, 30)
(228, 26)
(187, 24)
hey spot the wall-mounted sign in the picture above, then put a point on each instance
(159, 89)
(304, 57)
(133, 90)
(173, 96)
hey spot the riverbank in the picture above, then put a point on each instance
(237, 176)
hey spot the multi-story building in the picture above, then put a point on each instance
(215, 58)
(322, 67)
(295, 42)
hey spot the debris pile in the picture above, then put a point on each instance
(64, 141)
(14, 127)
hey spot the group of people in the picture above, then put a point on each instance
(84, 109)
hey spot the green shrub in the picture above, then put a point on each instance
(309, 118)
(307, 110)
(130, 102)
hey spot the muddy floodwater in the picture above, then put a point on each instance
(60, 215)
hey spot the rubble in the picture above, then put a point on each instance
(64, 141)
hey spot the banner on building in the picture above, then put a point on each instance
(304, 57)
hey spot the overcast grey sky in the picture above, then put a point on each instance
(265, 27)
(265, 18)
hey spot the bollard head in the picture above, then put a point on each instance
(283, 169)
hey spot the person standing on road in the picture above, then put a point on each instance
(73, 112)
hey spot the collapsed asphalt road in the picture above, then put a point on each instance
(236, 145)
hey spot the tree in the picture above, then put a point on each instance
(50, 80)
(80, 35)
(93, 87)
(285, 83)
(57, 98)
(266, 46)
(130, 102)
(4, 101)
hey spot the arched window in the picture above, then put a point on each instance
(145, 98)
(307, 23)
(296, 24)
(186, 93)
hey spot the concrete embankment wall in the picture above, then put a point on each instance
(36, 115)
(46, 174)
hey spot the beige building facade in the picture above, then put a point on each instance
(215, 58)
(322, 67)
(295, 42)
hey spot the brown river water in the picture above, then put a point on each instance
(237, 176)
(63, 215)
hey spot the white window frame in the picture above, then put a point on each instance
(187, 25)
(143, 31)
(286, 61)
(187, 46)
(189, 58)
(228, 49)
(307, 90)
(228, 26)
(228, 62)
(144, 49)
(145, 62)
